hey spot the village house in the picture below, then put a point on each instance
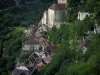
(34, 43)
(82, 15)
(37, 60)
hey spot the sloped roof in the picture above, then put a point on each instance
(22, 68)
(35, 40)
(31, 40)
(58, 7)
(47, 59)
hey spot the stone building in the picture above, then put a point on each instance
(82, 15)
(56, 15)
(34, 43)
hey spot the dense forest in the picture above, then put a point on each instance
(69, 58)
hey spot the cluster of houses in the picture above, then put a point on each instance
(40, 49)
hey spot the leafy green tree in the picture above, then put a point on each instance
(62, 52)
(48, 0)
(6, 3)
(73, 3)
(90, 4)
(94, 47)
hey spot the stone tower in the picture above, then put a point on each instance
(62, 1)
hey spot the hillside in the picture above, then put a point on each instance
(77, 41)
(13, 21)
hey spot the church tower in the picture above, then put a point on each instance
(62, 1)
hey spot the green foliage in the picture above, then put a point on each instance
(6, 3)
(90, 4)
(94, 47)
(73, 3)
(57, 35)
(62, 52)
(48, 0)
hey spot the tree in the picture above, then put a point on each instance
(1, 48)
(90, 4)
(62, 52)
(73, 3)
(48, 0)
(6, 3)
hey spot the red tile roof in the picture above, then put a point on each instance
(39, 65)
(58, 7)
(36, 40)
(31, 40)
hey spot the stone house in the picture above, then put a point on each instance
(34, 43)
(82, 15)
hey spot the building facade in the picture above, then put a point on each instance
(45, 18)
(56, 15)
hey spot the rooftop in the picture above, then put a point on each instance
(47, 59)
(31, 40)
(21, 68)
